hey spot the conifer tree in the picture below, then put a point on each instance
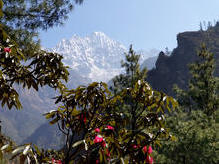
(131, 109)
(202, 93)
(132, 72)
(132, 75)
(22, 19)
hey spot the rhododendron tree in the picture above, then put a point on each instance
(106, 135)
(102, 127)
(39, 69)
(43, 68)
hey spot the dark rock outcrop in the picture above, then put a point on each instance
(174, 69)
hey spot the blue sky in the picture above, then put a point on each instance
(146, 24)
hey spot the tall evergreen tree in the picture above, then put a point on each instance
(132, 75)
(22, 19)
(132, 72)
(202, 93)
(36, 14)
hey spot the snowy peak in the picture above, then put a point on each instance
(96, 56)
(96, 40)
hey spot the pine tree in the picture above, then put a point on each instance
(132, 72)
(22, 19)
(202, 93)
(132, 75)
(36, 14)
(200, 26)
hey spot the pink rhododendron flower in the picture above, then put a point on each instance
(109, 127)
(104, 143)
(145, 149)
(135, 146)
(56, 161)
(150, 160)
(98, 139)
(83, 118)
(97, 130)
(7, 49)
(150, 150)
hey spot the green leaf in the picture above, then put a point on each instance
(77, 143)
(54, 121)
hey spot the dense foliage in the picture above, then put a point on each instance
(196, 139)
(22, 19)
(195, 124)
(119, 127)
(43, 69)
(132, 72)
(203, 89)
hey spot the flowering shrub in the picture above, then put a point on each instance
(7, 49)
(98, 139)
(108, 127)
(149, 159)
(56, 161)
(96, 132)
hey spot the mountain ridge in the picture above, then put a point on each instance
(96, 56)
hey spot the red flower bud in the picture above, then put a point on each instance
(150, 150)
(109, 127)
(83, 118)
(56, 161)
(135, 146)
(98, 139)
(108, 153)
(150, 160)
(145, 149)
(7, 49)
(103, 144)
(97, 130)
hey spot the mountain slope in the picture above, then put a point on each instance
(20, 124)
(149, 63)
(46, 136)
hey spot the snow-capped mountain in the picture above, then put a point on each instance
(96, 56)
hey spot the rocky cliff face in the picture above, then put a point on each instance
(173, 69)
